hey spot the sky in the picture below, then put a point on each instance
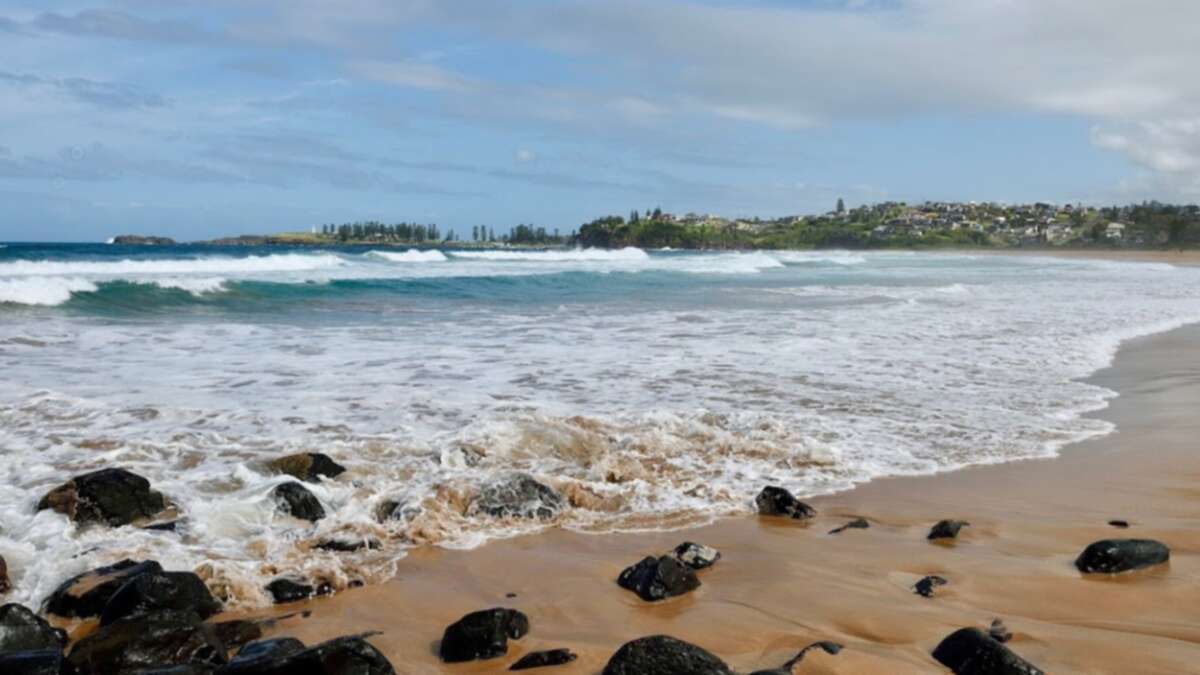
(195, 119)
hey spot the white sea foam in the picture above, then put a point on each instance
(576, 255)
(412, 255)
(286, 262)
(814, 257)
(42, 291)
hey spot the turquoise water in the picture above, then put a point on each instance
(653, 388)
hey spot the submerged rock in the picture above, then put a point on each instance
(696, 556)
(22, 630)
(550, 657)
(179, 591)
(946, 529)
(832, 648)
(925, 586)
(856, 524)
(1110, 556)
(970, 651)
(295, 500)
(659, 578)
(776, 501)
(290, 590)
(85, 595)
(155, 639)
(37, 662)
(112, 496)
(664, 655)
(517, 496)
(347, 546)
(482, 635)
(307, 466)
(350, 655)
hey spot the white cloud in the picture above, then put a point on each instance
(413, 74)
(524, 156)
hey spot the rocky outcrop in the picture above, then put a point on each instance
(155, 591)
(85, 595)
(156, 639)
(970, 651)
(696, 556)
(5, 584)
(517, 496)
(946, 529)
(925, 586)
(295, 500)
(787, 668)
(112, 496)
(482, 635)
(308, 466)
(351, 655)
(141, 240)
(856, 524)
(22, 630)
(41, 662)
(776, 501)
(258, 655)
(655, 579)
(1110, 556)
(664, 655)
(550, 657)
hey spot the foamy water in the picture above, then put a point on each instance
(653, 390)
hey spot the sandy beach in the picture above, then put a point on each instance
(781, 586)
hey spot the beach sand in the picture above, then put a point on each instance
(1173, 256)
(781, 586)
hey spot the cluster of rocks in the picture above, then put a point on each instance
(670, 575)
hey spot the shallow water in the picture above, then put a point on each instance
(654, 389)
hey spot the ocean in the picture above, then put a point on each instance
(653, 389)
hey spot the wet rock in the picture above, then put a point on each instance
(696, 556)
(290, 590)
(832, 648)
(151, 640)
(85, 595)
(1119, 523)
(308, 466)
(187, 669)
(5, 584)
(550, 657)
(517, 496)
(1110, 556)
(970, 651)
(179, 591)
(22, 630)
(999, 632)
(343, 656)
(168, 526)
(235, 633)
(112, 496)
(659, 578)
(776, 501)
(856, 524)
(925, 586)
(482, 635)
(257, 655)
(295, 500)
(39, 662)
(946, 529)
(347, 546)
(663, 655)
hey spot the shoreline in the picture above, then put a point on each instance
(781, 586)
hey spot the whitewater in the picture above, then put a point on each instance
(652, 389)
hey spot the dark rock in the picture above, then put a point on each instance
(696, 556)
(257, 655)
(1120, 555)
(970, 651)
(141, 240)
(38, 662)
(186, 669)
(235, 633)
(998, 631)
(22, 630)
(659, 578)
(151, 640)
(85, 595)
(168, 526)
(786, 669)
(1119, 523)
(342, 546)
(5, 584)
(180, 591)
(856, 524)
(113, 496)
(309, 466)
(482, 635)
(295, 500)
(663, 655)
(776, 501)
(290, 590)
(946, 529)
(925, 586)
(517, 496)
(551, 657)
(342, 656)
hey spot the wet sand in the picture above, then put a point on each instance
(781, 586)
(1174, 257)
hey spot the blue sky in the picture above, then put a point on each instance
(197, 119)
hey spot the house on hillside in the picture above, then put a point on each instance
(1115, 231)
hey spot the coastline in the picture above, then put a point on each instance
(781, 586)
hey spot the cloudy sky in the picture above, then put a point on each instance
(201, 118)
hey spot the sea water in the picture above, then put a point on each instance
(653, 389)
